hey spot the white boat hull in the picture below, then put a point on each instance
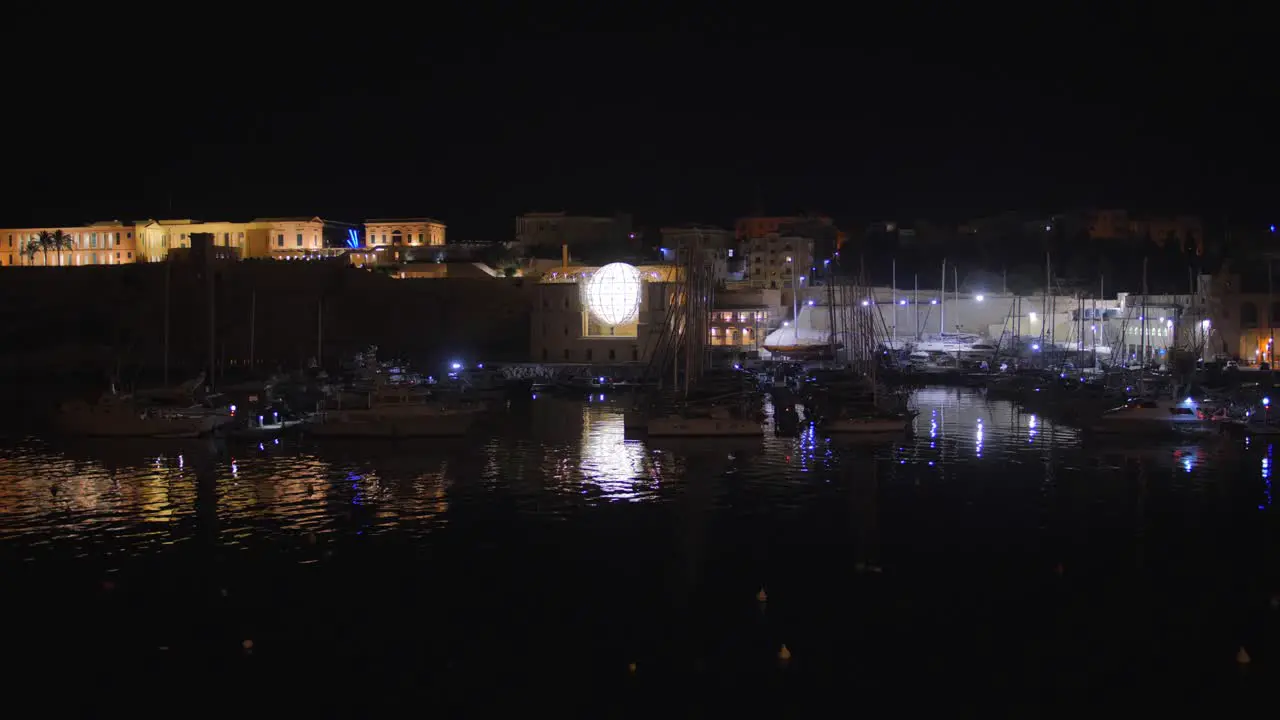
(1149, 420)
(704, 427)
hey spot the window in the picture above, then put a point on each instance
(129, 255)
(226, 238)
(635, 353)
(299, 241)
(566, 331)
(93, 240)
(566, 353)
(129, 235)
(544, 353)
(588, 354)
(10, 240)
(612, 354)
(419, 238)
(280, 240)
(117, 256)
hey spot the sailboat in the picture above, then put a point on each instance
(793, 340)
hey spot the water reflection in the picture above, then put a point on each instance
(610, 462)
(552, 458)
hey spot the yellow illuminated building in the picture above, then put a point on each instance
(114, 243)
(405, 232)
(103, 243)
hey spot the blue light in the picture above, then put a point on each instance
(353, 238)
(1266, 401)
(456, 366)
(1273, 228)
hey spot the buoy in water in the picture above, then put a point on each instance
(1242, 656)
(785, 653)
(762, 596)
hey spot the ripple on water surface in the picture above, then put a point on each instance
(556, 496)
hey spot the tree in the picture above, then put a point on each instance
(29, 250)
(61, 240)
(46, 244)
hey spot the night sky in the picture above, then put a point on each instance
(942, 117)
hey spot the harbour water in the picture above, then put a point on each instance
(991, 558)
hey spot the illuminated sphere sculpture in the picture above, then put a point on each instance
(613, 294)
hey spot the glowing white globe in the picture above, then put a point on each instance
(613, 293)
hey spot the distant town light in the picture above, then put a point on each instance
(933, 301)
(1031, 317)
(979, 298)
(788, 258)
(866, 303)
(902, 302)
(785, 323)
(810, 302)
(1035, 346)
(1205, 323)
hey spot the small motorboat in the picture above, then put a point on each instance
(1145, 416)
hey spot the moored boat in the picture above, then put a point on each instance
(121, 416)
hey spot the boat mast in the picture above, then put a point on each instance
(894, 282)
(168, 271)
(955, 287)
(915, 305)
(942, 298)
(1142, 321)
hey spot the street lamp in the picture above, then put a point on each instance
(979, 298)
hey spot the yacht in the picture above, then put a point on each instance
(122, 416)
(1145, 415)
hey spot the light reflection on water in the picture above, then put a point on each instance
(560, 456)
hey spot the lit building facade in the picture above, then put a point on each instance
(114, 243)
(403, 232)
(565, 331)
(103, 243)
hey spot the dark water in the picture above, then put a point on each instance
(992, 560)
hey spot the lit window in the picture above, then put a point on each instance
(299, 241)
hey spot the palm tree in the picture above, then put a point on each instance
(46, 244)
(30, 249)
(61, 240)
